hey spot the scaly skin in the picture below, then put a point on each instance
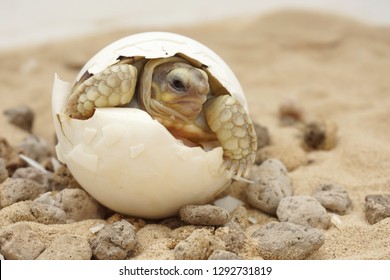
(112, 87)
(235, 132)
(227, 119)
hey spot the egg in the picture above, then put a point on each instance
(124, 158)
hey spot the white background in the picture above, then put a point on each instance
(24, 21)
(281, 270)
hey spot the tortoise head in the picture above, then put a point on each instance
(181, 88)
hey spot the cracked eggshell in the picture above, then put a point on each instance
(130, 162)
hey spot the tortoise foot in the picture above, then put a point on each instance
(112, 87)
(235, 132)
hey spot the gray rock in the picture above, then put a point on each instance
(239, 218)
(22, 117)
(263, 138)
(67, 247)
(333, 197)
(271, 185)
(20, 242)
(287, 241)
(377, 207)
(114, 241)
(78, 205)
(234, 238)
(32, 173)
(3, 170)
(14, 190)
(36, 148)
(303, 210)
(47, 214)
(208, 215)
(223, 255)
(198, 246)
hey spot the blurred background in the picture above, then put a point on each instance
(42, 37)
(25, 22)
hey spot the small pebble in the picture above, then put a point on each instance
(198, 246)
(292, 156)
(32, 173)
(233, 238)
(207, 215)
(11, 156)
(22, 117)
(271, 184)
(290, 112)
(149, 234)
(33, 212)
(239, 218)
(20, 242)
(263, 138)
(223, 255)
(114, 241)
(78, 205)
(377, 207)
(36, 148)
(287, 241)
(3, 171)
(14, 190)
(303, 210)
(333, 197)
(64, 179)
(320, 135)
(47, 214)
(67, 247)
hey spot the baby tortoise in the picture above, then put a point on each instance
(178, 95)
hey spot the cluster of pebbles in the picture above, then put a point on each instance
(45, 214)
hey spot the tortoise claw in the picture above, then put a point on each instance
(238, 169)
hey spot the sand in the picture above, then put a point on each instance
(333, 68)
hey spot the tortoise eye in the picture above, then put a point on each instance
(178, 85)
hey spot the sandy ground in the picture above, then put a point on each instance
(332, 67)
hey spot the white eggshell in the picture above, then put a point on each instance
(130, 162)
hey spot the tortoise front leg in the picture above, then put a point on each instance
(235, 132)
(112, 87)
